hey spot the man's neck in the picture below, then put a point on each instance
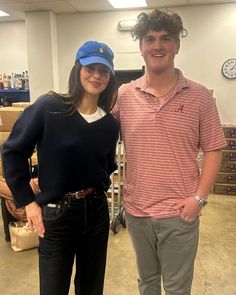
(162, 83)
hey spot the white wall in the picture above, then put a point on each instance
(42, 52)
(13, 55)
(211, 40)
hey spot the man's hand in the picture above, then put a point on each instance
(34, 216)
(189, 209)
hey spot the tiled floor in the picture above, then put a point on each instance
(215, 267)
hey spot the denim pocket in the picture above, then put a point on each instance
(52, 213)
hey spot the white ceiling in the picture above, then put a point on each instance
(17, 8)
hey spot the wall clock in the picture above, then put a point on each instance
(229, 68)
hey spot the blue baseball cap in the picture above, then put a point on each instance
(95, 52)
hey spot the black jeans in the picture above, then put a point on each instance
(79, 231)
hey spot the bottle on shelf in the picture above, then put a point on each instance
(23, 80)
(26, 80)
(19, 82)
(9, 81)
(1, 82)
(14, 81)
(6, 82)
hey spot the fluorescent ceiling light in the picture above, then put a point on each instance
(2, 13)
(128, 3)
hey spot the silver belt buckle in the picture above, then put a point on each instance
(51, 205)
(77, 196)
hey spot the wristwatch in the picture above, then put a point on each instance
(201, 201)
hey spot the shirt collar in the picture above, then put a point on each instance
(142, 84)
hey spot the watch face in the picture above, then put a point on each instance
(229, 68)
(203, 203)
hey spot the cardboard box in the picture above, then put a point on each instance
(3, 137)
(8, 116)
(21, 104)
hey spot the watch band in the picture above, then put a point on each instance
(201, 201)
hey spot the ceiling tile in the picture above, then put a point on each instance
(18, 7)
(165, 3)
(55, 6)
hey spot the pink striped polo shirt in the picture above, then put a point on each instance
(162, 141)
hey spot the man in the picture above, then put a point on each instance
(165, 119)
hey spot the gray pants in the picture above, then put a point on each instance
(165, 249)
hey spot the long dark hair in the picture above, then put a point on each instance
(75, 93)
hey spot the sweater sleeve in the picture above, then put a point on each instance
(111, 155)
(111, 161)
(19, 147)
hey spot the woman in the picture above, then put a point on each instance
(75, 136)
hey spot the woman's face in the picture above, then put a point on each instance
(94, 78)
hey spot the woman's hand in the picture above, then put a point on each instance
(189, 209)
(34, 216)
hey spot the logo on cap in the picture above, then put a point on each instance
(95, 52)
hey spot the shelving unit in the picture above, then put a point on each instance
(116, 191)
(14, 95)
(225, 183)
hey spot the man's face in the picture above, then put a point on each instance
(158, 50)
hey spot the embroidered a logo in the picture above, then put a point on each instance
(180, 108)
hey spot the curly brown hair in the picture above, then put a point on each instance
(158, 20)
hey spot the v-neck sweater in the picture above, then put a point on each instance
(72, 153)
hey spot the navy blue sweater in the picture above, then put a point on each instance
(72, 153)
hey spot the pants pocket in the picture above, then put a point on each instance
(192, 222)
(52, 213)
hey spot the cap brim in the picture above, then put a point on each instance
(96, 59)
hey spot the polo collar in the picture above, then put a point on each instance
(142, 84)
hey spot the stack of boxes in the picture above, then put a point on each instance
(8, 116)
(225, 183)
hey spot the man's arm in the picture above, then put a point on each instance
(210, 168)
(189, 207)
